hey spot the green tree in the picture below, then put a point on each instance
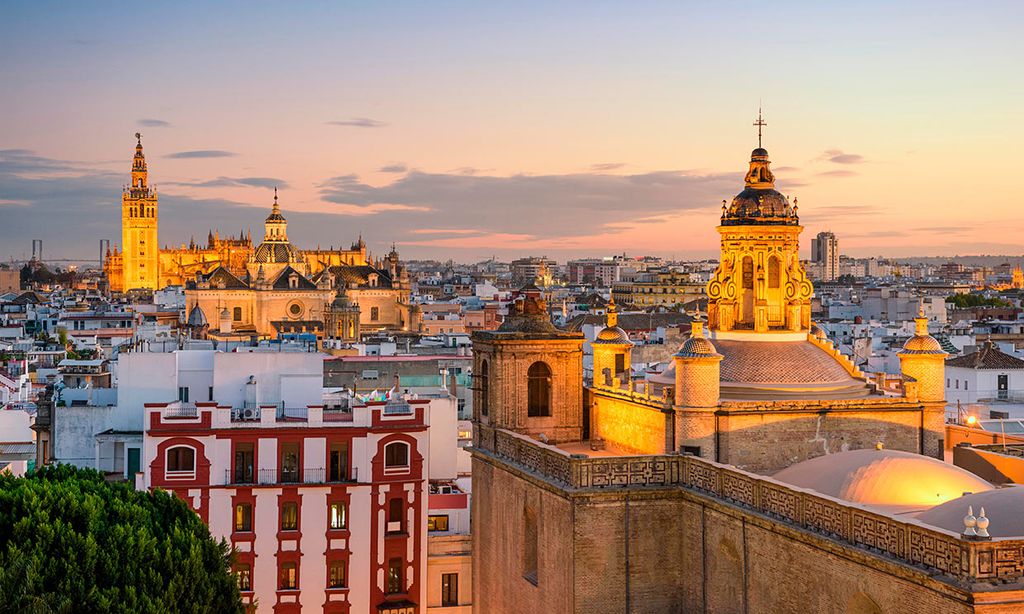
(964, 301)
(72, 542)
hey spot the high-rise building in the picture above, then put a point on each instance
(825, 251)
(140, 255)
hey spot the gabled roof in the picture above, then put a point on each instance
(221, 276)
(281, 281)
(29, 297)
(987, 357)
(360, 275)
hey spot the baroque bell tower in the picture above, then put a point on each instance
(759, 284)
(140, 249)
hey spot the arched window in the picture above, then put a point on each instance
(181, 459)
(396, 455)
(374, 314)
(538, 390)
(748, 273)
(485, 386)
(237, 314)
(773, 272)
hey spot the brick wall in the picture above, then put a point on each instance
(630, 427)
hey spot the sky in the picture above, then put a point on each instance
(467, 130)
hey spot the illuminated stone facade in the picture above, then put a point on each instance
(662, 502)
(263, 290)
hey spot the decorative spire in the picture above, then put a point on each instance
(277, 208)
(760, 123)
(612, 314)
(921, 323)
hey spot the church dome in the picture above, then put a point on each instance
(891, 479)
(922, 342)
(1002, 507)
(612, 334)
(759, 202)
(696, 347)
(279, 253)
(196, 317)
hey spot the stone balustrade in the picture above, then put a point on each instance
(906, 540)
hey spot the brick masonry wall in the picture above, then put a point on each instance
(499, 499)
(668, 549)
(768, 441)
(629, 427)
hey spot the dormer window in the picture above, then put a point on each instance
(293, 281)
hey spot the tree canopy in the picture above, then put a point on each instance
(70, 542)
(963, 301)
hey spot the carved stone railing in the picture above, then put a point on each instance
(903, 539)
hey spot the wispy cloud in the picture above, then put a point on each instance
(393, 168)
(838, 173)
(607, 166)
(234, 182)
(358, 122)
(838, 156)
(201, 153)
(153, 123)
(540, 206)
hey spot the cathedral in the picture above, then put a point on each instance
(761, 471)
(235, 289)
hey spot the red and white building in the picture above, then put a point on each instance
(326, 505)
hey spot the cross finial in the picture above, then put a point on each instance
(759, 123)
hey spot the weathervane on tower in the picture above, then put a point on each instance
(759, 123)
(138, 137)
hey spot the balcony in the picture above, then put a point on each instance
(268, 477)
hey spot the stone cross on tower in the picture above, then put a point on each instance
(759, 123)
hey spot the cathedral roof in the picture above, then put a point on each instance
(281, 282)
(359, 275)
(221, 277)
(895, 480)
(774, 370)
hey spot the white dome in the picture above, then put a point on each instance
(1002, 507)
(890, 479)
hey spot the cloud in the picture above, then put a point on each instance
(201, 153)
(153, 123)
(838, 173)
(541, 206)
(838, 156)
(358, 122)
(962, 228)
(445, 231)
(393, 168)
(787, 169)
(233, 182)
(607, 166)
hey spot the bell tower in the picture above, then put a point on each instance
(140, 253)
(759, 284)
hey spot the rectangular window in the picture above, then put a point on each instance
(210, 395)
(395, 510)
(243, 517)
(183, 394)
(395, 584)
(289, 576)
(338, 462)
(338, 516)
(437, 523)
(620, 363)
(290, 516)
(244, 573)
(290, 462)
(245, 462)
(336, 574)
(449, 590)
